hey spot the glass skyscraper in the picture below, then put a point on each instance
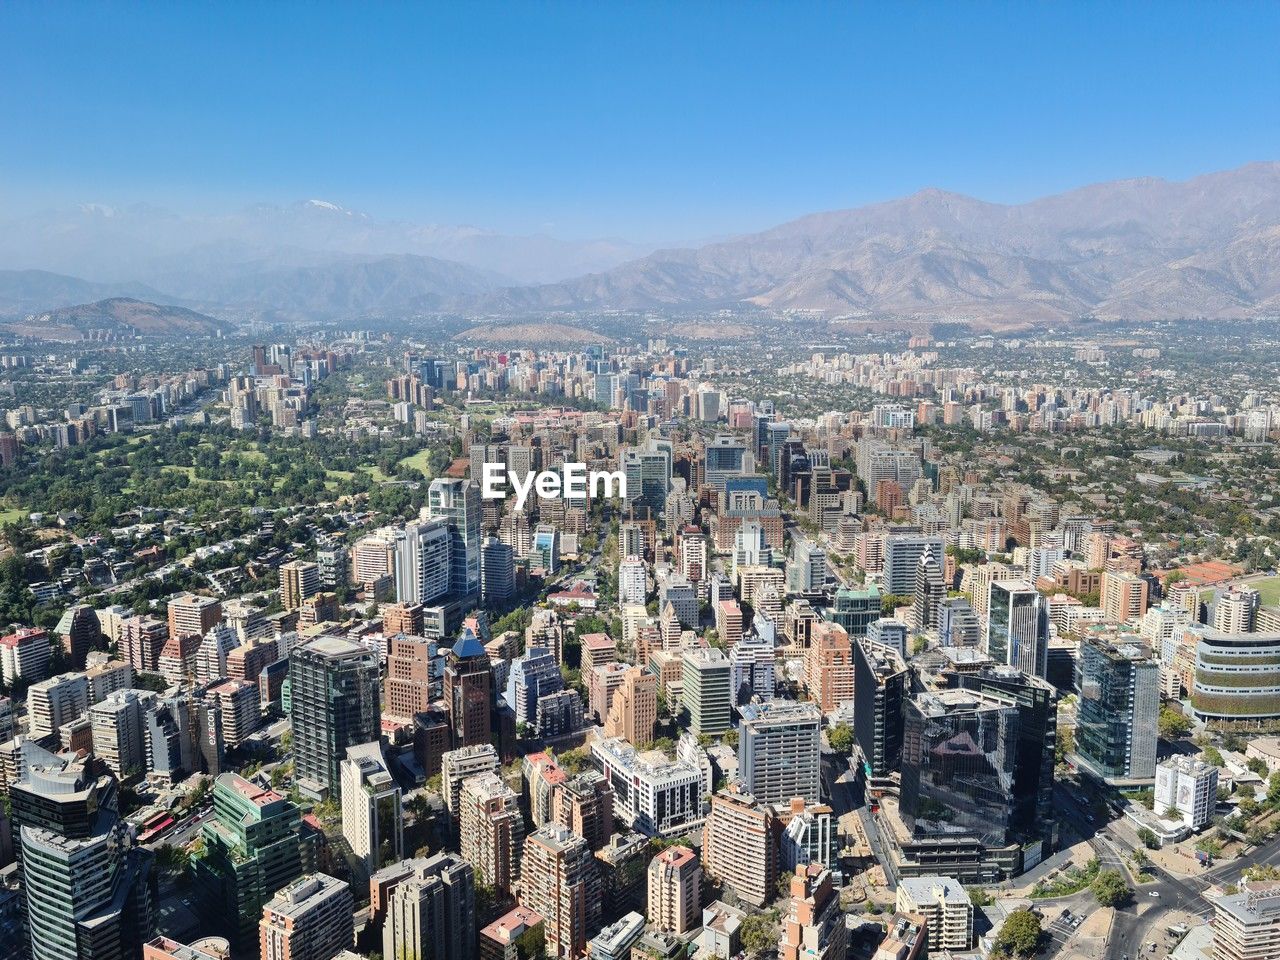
(334, 704)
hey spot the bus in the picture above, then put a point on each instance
(155, 826)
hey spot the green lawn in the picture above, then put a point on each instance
(375, 473)
(419, 461)
(15, 515)
(173, 468)
(1270, 590)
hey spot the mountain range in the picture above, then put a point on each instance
(1125, 250)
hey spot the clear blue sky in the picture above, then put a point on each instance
(645, 120)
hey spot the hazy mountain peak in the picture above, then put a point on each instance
(1137, 248)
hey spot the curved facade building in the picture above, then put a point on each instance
(1237, 676)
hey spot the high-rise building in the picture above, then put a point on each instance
(457, 765)
(675, 890)
(1246, 924)
(108, 676)
(539, 775)
(457, 502)
(1031, 794)
(906, 938)
(87, 890)
(1116, 726)
(1236, 610)
(431, 912)
(1189, 788)
(813, 927)
(468, 691)
(79, 630)
(334, 564)
(402, 618)
(634, 709)
(809, 837)
(854, 610)
(193, 615)
(408, 685)
(119, 732)
(299, 579)
(373, 557)
(423, 564)
(211, 654)
(691, 545)
(705, 690)
(780, 751)
(738, 846)
(881, 684)
(532, 677)
(1236, 676)
(960, 761)
(958, 624)
(633, 584)
(929, 591)
(559, 880)
(497, 571)
(310, 919)
(491, 830)
(334, 704)
(584, 804)
(648, 472)
(171, 745)
(24, 655)
(253, 846)
(751, 667)
(141, 641)
(1124, 596)
(828, 667)
(1018, 627)
(57, 701)
(603, 682)
(372, 815)
(902, 552)
(946, 907)
(652, 793)
(678, 591)
(724, 457)
(808, 571)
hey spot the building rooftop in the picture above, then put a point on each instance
(781, 711)
(555, 837)
(1256, 903)
(676, 856)
(302, 894)
(619, 934)
(924, 889)
(512, 924)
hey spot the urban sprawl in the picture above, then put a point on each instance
(877, 648)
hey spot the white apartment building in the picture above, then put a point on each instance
(632, 581)
(651, 793)
(372, 816)
(56, 701)
(1188, 786)
(946, 907)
